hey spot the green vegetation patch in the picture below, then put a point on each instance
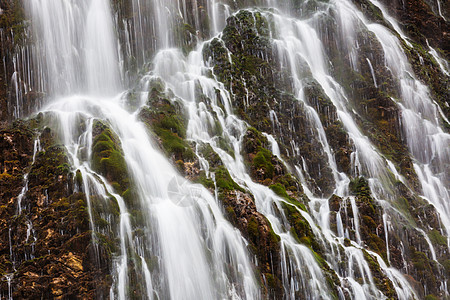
(107, 157)
(165, 118)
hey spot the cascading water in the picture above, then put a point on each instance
(199, 254)
(173, 237)
(167, 66)
(72, 56)
(428, 143)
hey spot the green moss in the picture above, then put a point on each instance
(106, 243)
(279, 189)
(205, 181)
(78, 178)
(174, 144)
(185, 36)
(224, 180)
(437, 238)
(446, 265)
(13, 19)
(225, 145)
(300, 228)
(61, 204)
(166, 120)
(63, 168)
(262, 160)
(296, 203)
(274, 238)
(270, 280)
(359, 186)
(421, 262)
(107, 157)
(208, 153)
(130, 198)
(101, 223)
(173, 124)
(231, 213)
(403, 204)
(381, 281)
(252, 229)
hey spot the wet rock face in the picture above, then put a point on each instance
(371, 90)
(166, 120)
(408, 249)
(421, 20)
(240, 210)
(5, 49)
(16, 151)
(46, 250)
(17, 98)
(107, 157)
(263, 96)
(264, 243)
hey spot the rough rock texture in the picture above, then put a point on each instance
(258, 87)
(46, 250)
(9, 20)
(17, 96)
(263, 96)
(421, 22)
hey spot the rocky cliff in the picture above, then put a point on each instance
(48, 248)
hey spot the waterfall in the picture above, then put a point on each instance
(76, 47)
(199, 254)
(426, 140)
(106, 68)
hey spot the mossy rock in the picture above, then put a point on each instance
(262, 163)
(300, 228)
(107, 157)
(423, 268)
(279, 189)
(224, 180)
(360, 187)
(381, 280)
(260, 87)
(165, 118)
(437, 238)
(208, 153)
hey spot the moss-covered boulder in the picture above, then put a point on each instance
(165, 118)
(107, 156)
(267, 168)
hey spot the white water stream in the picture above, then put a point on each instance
(199, 254)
